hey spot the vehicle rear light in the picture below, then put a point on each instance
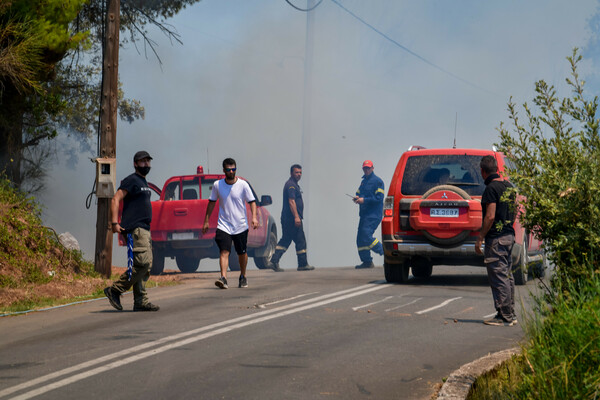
(388, 206)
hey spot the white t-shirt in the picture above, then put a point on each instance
(232, 205)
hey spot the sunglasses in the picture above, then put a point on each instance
(230, 169)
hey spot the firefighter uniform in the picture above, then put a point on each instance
(371, 212)
(291, 232)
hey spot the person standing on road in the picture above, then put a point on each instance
(135, 225)
(233, 194)
(291, 222)
(369, 197)
(499, 235)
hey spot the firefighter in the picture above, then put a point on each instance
(369, 197)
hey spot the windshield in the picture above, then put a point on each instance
(425, 172)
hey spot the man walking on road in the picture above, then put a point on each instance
(369, 197)
(291, 222)
(233, 194)
(135, 225)
(499, 235)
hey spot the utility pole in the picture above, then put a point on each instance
(306, 108)
(108, 133)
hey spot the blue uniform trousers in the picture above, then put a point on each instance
(365, 240)
(294, 233)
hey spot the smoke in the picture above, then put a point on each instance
(236, 89)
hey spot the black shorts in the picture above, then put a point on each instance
(224, 240)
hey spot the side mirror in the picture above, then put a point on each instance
(266, 200)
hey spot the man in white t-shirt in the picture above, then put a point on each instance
(233, 194)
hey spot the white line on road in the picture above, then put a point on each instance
(438, 306)
(489, 316)
(404, 305)
(236, 324)
(370, 304)
(288, 299)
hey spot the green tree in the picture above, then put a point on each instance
(50, 73)
(556, 152)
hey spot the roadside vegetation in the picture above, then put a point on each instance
(556, 151)
(36, 271)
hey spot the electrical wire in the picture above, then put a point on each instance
(410, 51)
(304, 9)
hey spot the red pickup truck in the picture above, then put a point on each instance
(177, 218)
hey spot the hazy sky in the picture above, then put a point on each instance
(235, 88)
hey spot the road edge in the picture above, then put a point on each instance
(459, 382)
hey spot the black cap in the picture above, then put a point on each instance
(141, 155)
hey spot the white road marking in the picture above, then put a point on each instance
(404, 305)
(288, 299)
(236, 323)
(370, 304)
(489, 316)
(438, 306)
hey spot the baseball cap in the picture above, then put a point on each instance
(368, 163)
(141, 155)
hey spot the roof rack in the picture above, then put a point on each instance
(412, 148)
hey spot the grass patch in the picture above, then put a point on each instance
(561, 358)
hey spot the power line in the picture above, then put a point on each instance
(304, 9)
(409, 50)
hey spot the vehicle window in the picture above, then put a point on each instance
(207, 185)
(172, 191)
(189, 189)
(425, 172)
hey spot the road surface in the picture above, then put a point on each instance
(332, 333)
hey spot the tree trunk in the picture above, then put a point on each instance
(12, 110)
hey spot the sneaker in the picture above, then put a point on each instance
(221, 283)
(306, 268)
(146, 307)
(275, 267)
(113, 298)
(365, 265)
(499, 321)
(243, 282)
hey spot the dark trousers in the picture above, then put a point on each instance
(294, 233)
(498, 263)
(365, 241)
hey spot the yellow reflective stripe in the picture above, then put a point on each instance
(358, 191)
(301, 251)
(380, 190)
(280, 248)
(370, 246)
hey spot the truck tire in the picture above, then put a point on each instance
(519, 269)
(187, 264)
(265, 262)
(421, 268)
(396, 273)
(158, 262)
(460, 237)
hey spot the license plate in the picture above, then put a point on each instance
(444, 212)
(182, 235)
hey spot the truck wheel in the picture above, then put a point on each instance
(421, 268)
(265, 262)
(539, 269)
(396, 273)
(158, 262)
(187, 264)
(519, 269)
(234, 261)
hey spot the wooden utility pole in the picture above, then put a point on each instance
(108, 132)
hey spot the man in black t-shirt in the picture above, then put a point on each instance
(291, 222)
(499, 235)
(135, 225)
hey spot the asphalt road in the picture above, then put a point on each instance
(332, 333)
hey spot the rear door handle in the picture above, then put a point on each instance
(180, 212)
